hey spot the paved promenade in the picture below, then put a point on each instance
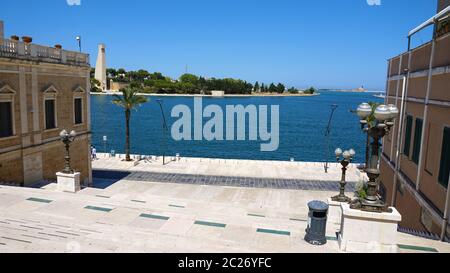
(136, 215)
(236, 173)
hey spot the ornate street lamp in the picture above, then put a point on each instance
(67, 138)
(377, 124)
(347, 159)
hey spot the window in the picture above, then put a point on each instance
(78, 110)
(417, 140)
(445, 158)
(50, 114)
(409, 121)
(6, 122)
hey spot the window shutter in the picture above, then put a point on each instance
(6, 126)
(408, 130)
(417, 140)
(445, 158)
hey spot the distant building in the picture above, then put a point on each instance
(116, 86)
(100, 67)
(43, 90)
(416, 159)
(217, 93)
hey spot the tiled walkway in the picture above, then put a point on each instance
(251, 182)
(131, 216)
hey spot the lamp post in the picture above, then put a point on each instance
(377, 123)
(165, 128)
(345, 161)
(79, 42)
(67, 138)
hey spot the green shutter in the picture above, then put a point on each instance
(6, 119)
(407, 145)
(445, 158)
(50, 114)
(78, 111)
(417, 140)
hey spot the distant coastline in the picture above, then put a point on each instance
(209, 96)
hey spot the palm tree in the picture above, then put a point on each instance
(129, 100)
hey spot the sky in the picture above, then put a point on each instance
(301, 43)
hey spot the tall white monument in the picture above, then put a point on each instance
(100, 67)
(1, 30)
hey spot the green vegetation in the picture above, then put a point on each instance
(157, 83)
(129, 100)
(310, 91)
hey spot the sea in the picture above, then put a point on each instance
(305, 130)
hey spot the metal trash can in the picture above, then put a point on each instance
(317, 223)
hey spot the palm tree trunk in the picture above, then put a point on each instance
(127, 135)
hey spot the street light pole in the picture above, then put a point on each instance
(165, 128)
(79, 42)
(327, 135)
(377, 124)
(67, 138)
(347, 159)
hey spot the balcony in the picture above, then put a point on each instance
(33, 52)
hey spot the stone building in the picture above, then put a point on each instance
(416, 156)
(42, 91)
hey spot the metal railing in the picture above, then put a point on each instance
(33, 52)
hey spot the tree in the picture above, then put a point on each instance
(293, 90)
(280, 88)
(111, 72)
(272, 88)
(310, 90)
(257, 88)
(129, 100)
(94, 85)
(189, 78)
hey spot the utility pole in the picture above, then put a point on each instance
(327, 135)
(165, 128)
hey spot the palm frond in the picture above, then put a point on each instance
(129, 99)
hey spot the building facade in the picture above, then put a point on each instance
(43, 90)
(416, 156)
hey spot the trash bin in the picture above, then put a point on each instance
(317, 223)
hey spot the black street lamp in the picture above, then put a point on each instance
(165, 127)
(67, 138)
(347, 159)
(377, 124)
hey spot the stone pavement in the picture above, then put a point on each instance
(251, 182)
(271, 172)
(132, 216)
(247, 206)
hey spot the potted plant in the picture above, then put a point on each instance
(15, 38)
(58, 46)
(27, 39)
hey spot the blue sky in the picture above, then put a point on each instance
(327, 44)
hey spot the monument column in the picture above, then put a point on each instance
(100, 67)
(2, 33)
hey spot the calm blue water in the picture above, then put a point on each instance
(302, 127)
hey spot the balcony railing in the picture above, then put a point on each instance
(33, 52)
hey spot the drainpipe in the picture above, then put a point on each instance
(446, 212)
(425, 115)
(399, 134)
(396, 104)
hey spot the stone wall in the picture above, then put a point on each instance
(33, 154)
(116, 86)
